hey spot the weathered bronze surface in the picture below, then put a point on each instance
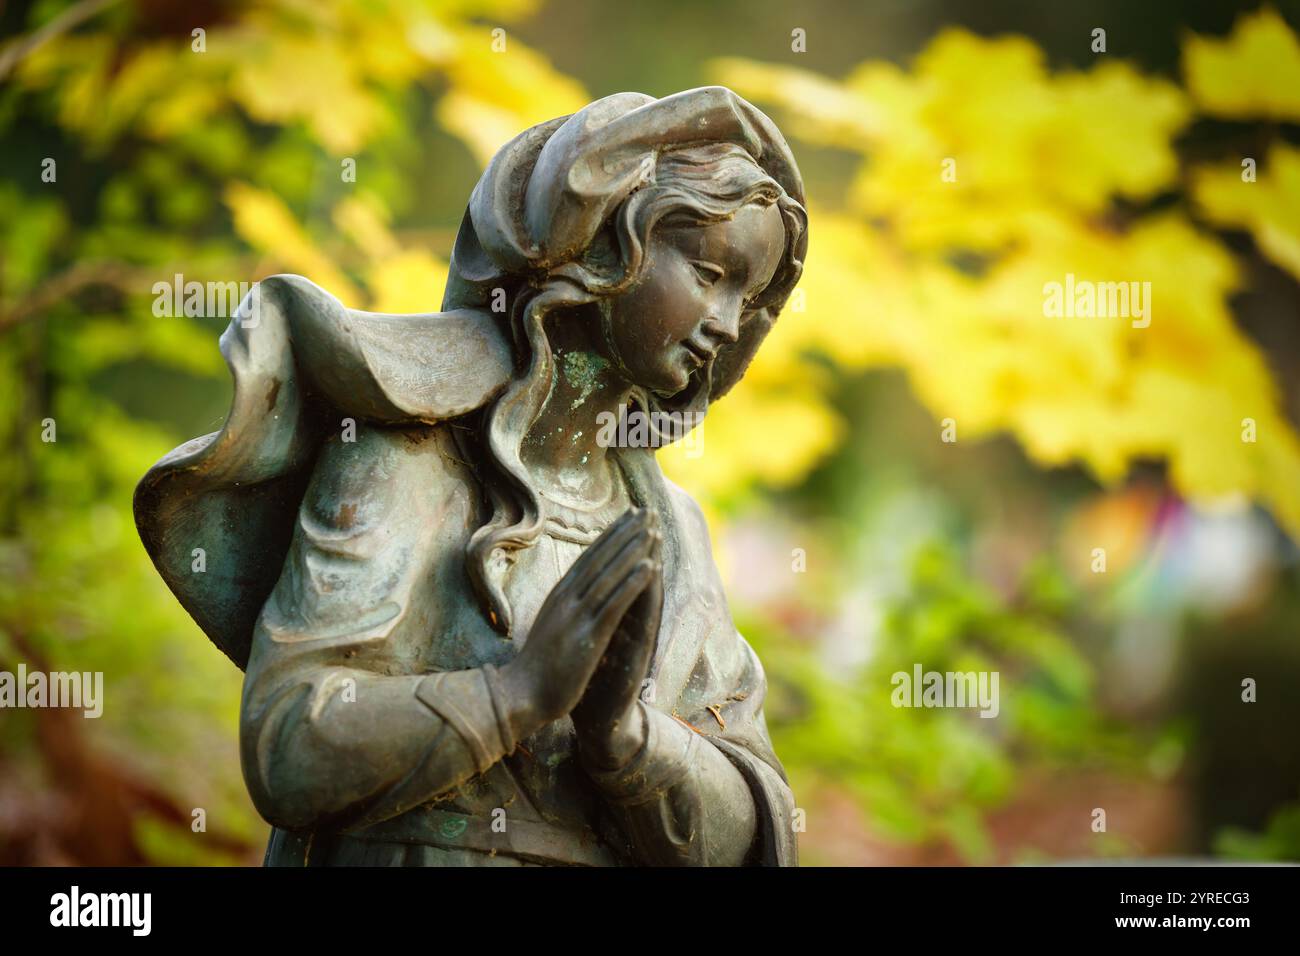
(476, 631)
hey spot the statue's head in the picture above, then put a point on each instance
(597, 210)
(671, 230)
(704, 247)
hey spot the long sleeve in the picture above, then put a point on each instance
(339, 725)
(682, 802)
(338, 740)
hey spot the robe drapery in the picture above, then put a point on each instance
(371, 726)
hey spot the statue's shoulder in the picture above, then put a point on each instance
(425, 367)
(380, 475)
(690, 516)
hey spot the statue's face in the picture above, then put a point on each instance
(688, 301)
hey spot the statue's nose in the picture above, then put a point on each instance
(725, 329)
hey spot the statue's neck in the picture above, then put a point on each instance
(563, 448)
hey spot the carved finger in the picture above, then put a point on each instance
(611, 572)
(590, 563)
(621, 598)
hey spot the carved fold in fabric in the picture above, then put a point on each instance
(468, 701)
(547, 192)
(493, 680)
(776, 842)
(670, 785)
(526, 840)
(301, 363)
(665, 758)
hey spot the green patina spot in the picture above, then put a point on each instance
(452, 828)
(582, 371)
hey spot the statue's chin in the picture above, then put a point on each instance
(682, 397)
(686, 407)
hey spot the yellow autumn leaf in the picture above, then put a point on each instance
(1255, 72)
(263, 221)
(1268, 206)
(483, 127)
(495, 95)
(820, 110)
(288, 78)
(409, 281)
(399, 280)
(736, 441)
(979, 148)
(363, 218)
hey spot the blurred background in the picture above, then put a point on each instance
(921, 467)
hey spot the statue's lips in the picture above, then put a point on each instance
(698, 352)
(699, 379)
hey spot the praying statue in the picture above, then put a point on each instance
(479, 627)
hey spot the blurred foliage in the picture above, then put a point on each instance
(230, 164)
(1055, 174)
(1279, 841)
(929, 777)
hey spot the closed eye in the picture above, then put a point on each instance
(708, 272)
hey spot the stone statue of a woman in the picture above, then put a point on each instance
(475, 633)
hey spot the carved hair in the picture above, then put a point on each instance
(698, 184)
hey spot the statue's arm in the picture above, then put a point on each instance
(335, 727)
(682, 802)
